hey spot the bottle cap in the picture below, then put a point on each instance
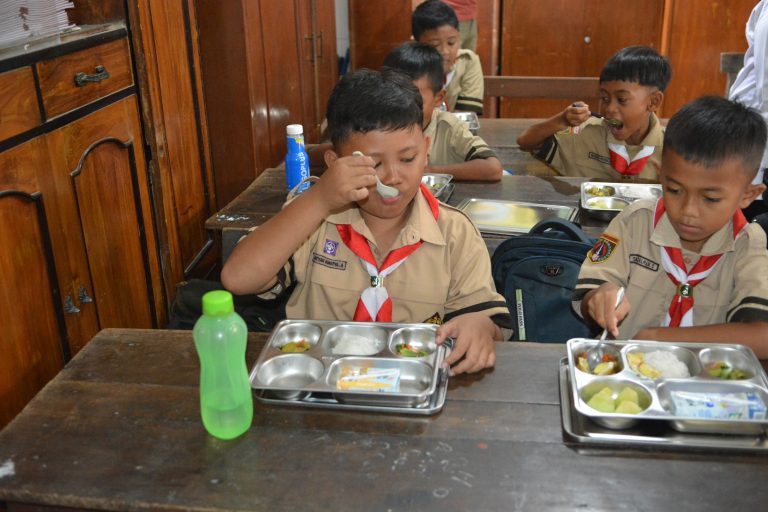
(218, 302)
(294, 129)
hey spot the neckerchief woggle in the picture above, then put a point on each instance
(626, 166)
(375, 304)
(680, 312)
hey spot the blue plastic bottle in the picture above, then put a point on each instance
(296, 160)
(226, 403)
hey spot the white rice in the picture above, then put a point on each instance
(356, 345)
(667, 363)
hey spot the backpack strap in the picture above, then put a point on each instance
(573, 231)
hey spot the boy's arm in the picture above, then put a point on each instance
(533, 136)
(472, 86)
(475, 334)
(256, 260)
(479, 169)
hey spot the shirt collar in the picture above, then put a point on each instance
(720, 242)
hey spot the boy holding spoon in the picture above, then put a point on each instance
(356, 255)
(693, 268)
(626, 142)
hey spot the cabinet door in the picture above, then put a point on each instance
(106, 219)
(33, 341)
(586, 34)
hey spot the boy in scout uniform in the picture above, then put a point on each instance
(356, 255)
(626, 143)
(693, 268)
(435, 23)
(452, 147)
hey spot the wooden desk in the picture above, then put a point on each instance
(119, 429)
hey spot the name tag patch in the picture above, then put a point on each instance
(599, 158)
(328, 262)
(644, 262)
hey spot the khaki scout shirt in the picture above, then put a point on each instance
(465, 90)
(583, 151)
(450, 274)
(630, 256)
(451, 142)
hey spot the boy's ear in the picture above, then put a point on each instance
(439, 97)
(329, 157)
(750, 194)
(656, 98)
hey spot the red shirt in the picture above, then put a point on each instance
(465, 9)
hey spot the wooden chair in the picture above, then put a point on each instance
(549, 87)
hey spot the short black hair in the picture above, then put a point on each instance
(367, 100)
(641, 64)
(417, 60)
(431, 15)
(712, 129)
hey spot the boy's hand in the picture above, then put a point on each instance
(576, 114)
(475, 335)
(601, 306)
(346, 181)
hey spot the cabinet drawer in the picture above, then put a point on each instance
(57, 76)
(18, 103)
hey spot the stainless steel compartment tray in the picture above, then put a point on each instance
(473, 122)
(334, 352)
(657, 391)
(580, 431)
(438, 184)
(508, 217)
(621, 193)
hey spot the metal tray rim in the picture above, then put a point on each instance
(484, 228)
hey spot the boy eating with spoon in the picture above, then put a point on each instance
(356, 255)
(693, 268)
(623, 144)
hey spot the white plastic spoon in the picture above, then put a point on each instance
(382, 189)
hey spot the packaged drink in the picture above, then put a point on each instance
(226, 403)
(296, 160)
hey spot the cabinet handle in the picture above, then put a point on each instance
(69, 306)
(99, 74)
(83, 296)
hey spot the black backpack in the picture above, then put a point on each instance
(536, 274)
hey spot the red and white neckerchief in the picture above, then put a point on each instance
(374, 304)
(680, 313)
(629, 166)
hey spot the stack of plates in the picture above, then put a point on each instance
(22, 19)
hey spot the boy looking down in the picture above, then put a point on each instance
(624, 144)
(693, 268)
(355, 255)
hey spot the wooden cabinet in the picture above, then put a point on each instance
(266, 64)
(79, 249)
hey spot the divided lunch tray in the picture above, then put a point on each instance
(473, 122)
(605, 200)
(583, 433)
(700, 403)
(353, 365)
(507, 217)
(439, 184)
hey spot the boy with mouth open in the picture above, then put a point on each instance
(693, 268)
(622, 141)
(356, 255)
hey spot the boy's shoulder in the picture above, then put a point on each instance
(467, 59)
(454, 223)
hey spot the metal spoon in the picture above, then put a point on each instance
(382, 189)
(596, 353)
(610, 122)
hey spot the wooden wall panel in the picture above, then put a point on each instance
(18, 104)
(570, 38)
(488, 34)
(375, 28)
(696, 36)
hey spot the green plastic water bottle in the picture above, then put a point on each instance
(226, 403)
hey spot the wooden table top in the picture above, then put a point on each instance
(119, 429)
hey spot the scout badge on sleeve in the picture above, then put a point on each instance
(603, 249)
